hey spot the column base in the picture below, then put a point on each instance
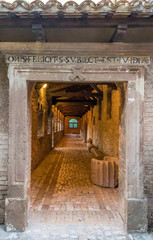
(136, 217)
(15, 214)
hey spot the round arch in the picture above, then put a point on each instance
(73, 123)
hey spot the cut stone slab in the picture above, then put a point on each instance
(104, 173)
(137, 220)
(15, 217)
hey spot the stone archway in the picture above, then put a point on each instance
(133, 206)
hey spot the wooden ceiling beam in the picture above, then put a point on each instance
(59, 87)
(12, 15)
(60, 15)
(74, 94)
(119, 33)
(134, 14)
(109, 14)
(94, 86)
(72, 115)
(76, 101)
(73, 108)
(73, 22)
(73, 104)
(73, 112)
(84, 15)
(38, 31)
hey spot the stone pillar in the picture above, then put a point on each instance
(134, 203)
(16, 201)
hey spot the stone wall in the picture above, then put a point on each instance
(43, 119)
(41, 142)
(104, 132)
(4, 104)
(68, 130)
(57, 137)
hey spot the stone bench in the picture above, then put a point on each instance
(104, 173)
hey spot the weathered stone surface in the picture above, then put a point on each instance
(104, 173)
(15, 214)
(81, 232)
(137, 211)
(148, 142)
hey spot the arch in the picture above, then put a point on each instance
(73, 123)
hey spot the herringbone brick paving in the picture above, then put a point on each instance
(65, 205)
(62, 191)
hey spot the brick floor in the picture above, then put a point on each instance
(62, 191)
(65, 205)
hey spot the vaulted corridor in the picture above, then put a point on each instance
(62, 191)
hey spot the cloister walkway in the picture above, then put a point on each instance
(62, 191)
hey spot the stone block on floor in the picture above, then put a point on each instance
(104, 173)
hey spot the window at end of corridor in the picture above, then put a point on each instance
(73, 123)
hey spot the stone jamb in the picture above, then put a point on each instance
(20, 75)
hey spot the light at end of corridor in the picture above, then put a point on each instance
(45, 85)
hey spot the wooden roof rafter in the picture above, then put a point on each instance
(73, 98)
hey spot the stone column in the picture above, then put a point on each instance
(16, 201)
(135, 205)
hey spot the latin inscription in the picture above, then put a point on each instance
(78, 59)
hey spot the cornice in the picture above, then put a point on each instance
(54, 6)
